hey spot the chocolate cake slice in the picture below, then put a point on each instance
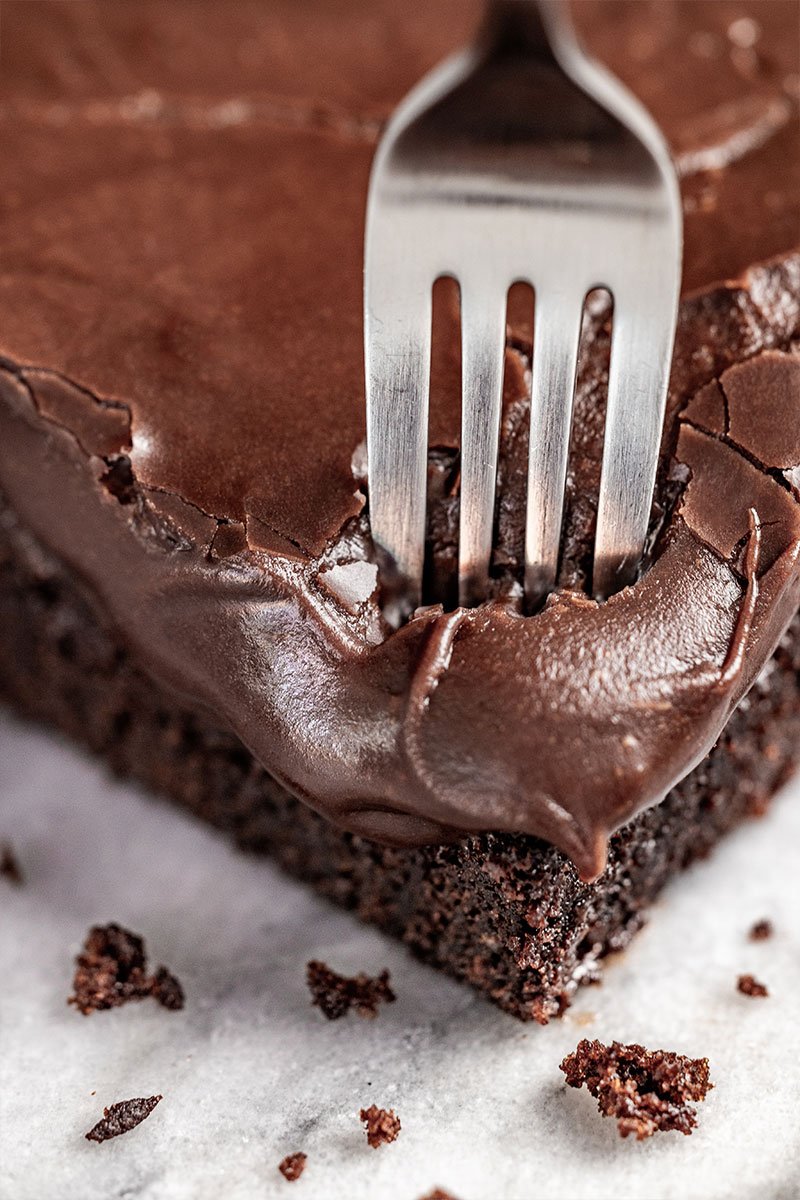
(187, 580)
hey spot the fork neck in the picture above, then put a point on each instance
(530, 27)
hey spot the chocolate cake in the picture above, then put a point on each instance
(122, 1118)
(336, 994)
(382, 1125)
(748, 985)
(111, 970)
(292, 1167)
(9, 866)
(187, 580)
(647, 1091)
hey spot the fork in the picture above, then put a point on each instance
(519, 160)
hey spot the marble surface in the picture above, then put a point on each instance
(250, 1072)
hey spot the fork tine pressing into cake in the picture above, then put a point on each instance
(641, 351)
(397, 372)
(483, 337)
(557, 327)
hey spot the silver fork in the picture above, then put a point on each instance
(519, 160)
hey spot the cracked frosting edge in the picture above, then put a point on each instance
(562, 725)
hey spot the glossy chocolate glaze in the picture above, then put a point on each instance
(182, 400)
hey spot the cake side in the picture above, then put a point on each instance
(506, 913)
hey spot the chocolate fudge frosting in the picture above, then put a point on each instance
(181, 405)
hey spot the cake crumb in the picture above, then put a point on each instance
(647, 1091)
(122, 1117)
(293, 1165)
(382, 1124)
(761, 930)
(9, 865)
(437, 1194)
(336, 994)
(748, 985)
(112, 969)
(167, 990)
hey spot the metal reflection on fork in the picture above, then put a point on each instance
(519, 160)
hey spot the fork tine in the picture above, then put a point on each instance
(397, 330)
(641, 350)
(557, 327)
(483, 337)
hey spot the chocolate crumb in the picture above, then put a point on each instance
(382, 1125)
(748, 985)
(122, 1117)
(437, 1194)
(645, 1090)
(9, 866)
(761, 930)
(167, 990)
(112, 969)
(336, 994)
(293, 1165)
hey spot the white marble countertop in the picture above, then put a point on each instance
(250, 1072)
